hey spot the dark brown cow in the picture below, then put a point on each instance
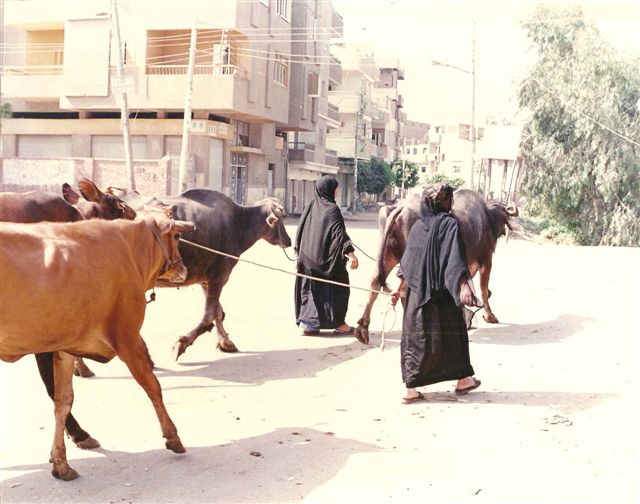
(99, 271)
(481, 224)
(221, 225)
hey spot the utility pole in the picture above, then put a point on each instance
(354, 201)
(186, 125)
(124, 104)
(404, 148)
(473, 104)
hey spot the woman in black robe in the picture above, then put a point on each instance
(435, 343)
(323, 248)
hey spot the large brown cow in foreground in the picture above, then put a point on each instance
(39, 206)
(481, 224)
(78, 289)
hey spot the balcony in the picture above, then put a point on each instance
(302, 151)
(197, 70)
(337, 25)
(331, 157)
(166, 86)
(335, 71)
(333, 112)
(32, 81)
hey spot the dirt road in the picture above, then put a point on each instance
(319, 419)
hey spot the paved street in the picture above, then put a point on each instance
(319, 419)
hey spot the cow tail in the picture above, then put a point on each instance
(388, 226)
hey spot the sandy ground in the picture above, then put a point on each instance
(319, 419)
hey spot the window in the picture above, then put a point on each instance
(281, 70)
(282, 8)
(443, 156)
(241, 134)
(415, 150)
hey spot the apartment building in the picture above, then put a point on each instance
(62, 81)
(353, 97)
(311, 116)
(387, 125)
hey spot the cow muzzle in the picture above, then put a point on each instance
(175, 272)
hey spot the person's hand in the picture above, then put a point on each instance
(353, 260)
(395, 296)
(466, 296)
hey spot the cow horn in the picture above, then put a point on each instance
(512, 209)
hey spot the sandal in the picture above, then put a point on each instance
(344, 331)
(411, 400)
(466, 390)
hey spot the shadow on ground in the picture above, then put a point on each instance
(279, 466)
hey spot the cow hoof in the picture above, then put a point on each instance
(491, 318)
(362, 335)
(65, 474)
(82, 370)
(175, 445)
(227, 346)
(88, 444)
(179, 347)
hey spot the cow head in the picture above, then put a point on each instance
(97, 204)
(167, 233)
(502, 215)
(275, 232)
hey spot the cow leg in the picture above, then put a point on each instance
(77, 434)
(63, 398)
(362, 331)
(81, 369)
(212, 312)
(135, 355)
(485, 273)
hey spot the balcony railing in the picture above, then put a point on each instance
(32, 70)
(197, 70)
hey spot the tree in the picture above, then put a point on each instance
(410, 174)
(5, 110)
(582, 143)
(454, 182)
(373, 176)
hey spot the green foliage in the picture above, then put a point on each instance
(580, 146)
(5, 110)
(454, 182)
(373, 176)
(410, 174)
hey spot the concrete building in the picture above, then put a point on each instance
(353, 97)
(387, 125)
(61, 79)
(311, 116)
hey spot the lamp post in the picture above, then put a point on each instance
(472, 72)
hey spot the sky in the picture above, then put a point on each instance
(417, 32)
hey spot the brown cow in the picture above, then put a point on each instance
(100, 270)
(38, 206)
(481, 224)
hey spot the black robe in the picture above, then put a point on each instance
(435, 343)
(321, 244)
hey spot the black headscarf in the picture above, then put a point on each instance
(434, 259)
(321, 239)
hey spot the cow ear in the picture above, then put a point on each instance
(272, 220)
(89, 190)
(69, 194)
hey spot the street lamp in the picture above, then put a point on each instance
(472, 72)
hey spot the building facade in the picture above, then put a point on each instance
(63, 82)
